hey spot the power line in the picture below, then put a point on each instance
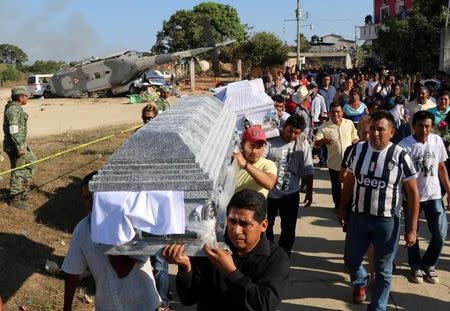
(335, 20)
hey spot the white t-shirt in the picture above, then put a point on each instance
(135, 292)
(371, 84)
(426, 158)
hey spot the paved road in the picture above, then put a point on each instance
(318, 280)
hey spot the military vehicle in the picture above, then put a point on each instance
(113, 74)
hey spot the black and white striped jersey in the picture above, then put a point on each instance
(379, 176)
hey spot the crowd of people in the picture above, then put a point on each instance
(386, 149)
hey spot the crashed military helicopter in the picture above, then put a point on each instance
(113, 74)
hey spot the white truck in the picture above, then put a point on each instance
(39, 85)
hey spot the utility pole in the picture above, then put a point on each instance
(297, 15)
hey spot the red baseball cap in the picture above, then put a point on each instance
(254, 134)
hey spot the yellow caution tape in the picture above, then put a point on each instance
(71, 149)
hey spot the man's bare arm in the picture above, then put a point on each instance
(264, 179)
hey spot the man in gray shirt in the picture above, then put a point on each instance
(291, 152)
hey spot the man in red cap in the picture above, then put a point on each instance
(256, 173)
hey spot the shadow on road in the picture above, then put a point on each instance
(20, 258)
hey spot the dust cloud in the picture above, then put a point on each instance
(49, 30)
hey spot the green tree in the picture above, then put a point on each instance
(224, 19)
(264, 49)
(412, 44)
(9, 73)
(364, 53)
(184, 30)
(304, 44)
(42, 66)
(12, 55)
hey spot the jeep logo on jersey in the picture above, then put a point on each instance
(371, 183)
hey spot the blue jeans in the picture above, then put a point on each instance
(322, 153)
(161, 272)
(383, 233)
(437, 224)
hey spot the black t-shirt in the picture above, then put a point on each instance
(259, 283)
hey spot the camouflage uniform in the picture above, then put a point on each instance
(162, 103)
(15, 134)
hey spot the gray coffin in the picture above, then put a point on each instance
(187, 148)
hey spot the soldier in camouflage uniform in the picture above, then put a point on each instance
(162, 101)
(15, 146)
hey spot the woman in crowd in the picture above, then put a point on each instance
(395, 91)
(343, 95)
(302, 79)
(355, 109)
(375, 104)
(441, 110)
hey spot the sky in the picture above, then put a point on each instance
(70, 30)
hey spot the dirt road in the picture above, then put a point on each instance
(62, 115)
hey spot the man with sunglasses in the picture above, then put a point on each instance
(15, 146)
(149, 112)
(252, 277)
(160, 266)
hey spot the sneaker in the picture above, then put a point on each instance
(359, 294)
(432, 276)
(24, 196)
(17, 203)
(417, 276)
